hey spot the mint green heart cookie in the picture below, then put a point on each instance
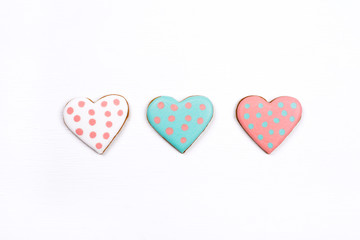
(180, 123)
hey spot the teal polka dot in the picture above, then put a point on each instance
(264, 124)
(276, 120)
(246, 116)
(247, 105)
(293, 105)
(280, 105)
(281, 132)
(284, 113)
(261, 105)
(258, 115)
(271, 132)
(270, 145)
(260, 137)
(269, 113)
(251, 126)
(292, 119)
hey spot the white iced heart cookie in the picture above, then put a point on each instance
(96, 123)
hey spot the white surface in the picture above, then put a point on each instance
(52, 186)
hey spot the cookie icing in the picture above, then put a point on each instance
(96, 123)
(180, 123)
(268, 123)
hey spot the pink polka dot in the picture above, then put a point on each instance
(188, 105)
(183, 140)
(200, 120)
(157, 120)
(188, 118)
(70, 110)
(174, 107)
(202, 107)
(91, 112)
(92, 122)
(77, 118)
(184, 127)
(120, 113)
(98, 145)
(171, 118)
(79, 131)
(93, 134)
(109, 124)
(116, 102)
(106, 135)
(161, 105)
(108, 113)
(81, 104)
(169, 131)
(104, 104)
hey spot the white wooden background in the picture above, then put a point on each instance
(54, 187)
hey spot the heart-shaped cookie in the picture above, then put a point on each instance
(268, 124)
(180, 123)
(96, 123)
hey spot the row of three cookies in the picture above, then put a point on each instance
(181, 123)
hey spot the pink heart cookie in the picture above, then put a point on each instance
(96, 123)
(268, 124)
